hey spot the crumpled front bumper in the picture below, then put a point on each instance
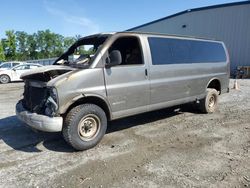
(37, 121)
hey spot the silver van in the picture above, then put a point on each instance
(114, 75)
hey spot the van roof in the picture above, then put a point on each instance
(166, 34)
(149, 33)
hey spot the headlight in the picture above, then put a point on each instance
(51, 103)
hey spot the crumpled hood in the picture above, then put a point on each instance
(46, 69)
(46, 73)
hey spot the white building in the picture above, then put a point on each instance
(227, 22)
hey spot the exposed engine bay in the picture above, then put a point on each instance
(38, 97)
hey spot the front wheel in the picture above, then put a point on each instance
(4, 79)
(84, 126)
(210, 102)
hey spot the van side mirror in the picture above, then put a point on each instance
(115, 58)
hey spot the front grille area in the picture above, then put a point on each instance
(34, 98)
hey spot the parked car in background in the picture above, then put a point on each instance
(14, 73)
(8, 65)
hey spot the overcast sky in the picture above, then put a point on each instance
(83, 17)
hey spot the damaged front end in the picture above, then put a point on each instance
(39, 105)
(38, 97)
(50, 88)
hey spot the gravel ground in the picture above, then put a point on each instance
(166, 148)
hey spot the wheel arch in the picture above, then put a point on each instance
(214, 83)
(93, 99)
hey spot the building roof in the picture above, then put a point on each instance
(193, 10)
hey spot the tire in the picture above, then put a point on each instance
(84, 126)
(210, 102)
(4, 79)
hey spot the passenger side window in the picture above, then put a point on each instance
(130, 50)
(182, 51)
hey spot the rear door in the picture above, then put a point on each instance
(127, 84)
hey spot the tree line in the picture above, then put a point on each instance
(21, 46)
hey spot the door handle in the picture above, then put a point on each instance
(146, 72)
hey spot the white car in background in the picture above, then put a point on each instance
(13, 74)
(9, 65)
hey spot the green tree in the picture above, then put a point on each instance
(22, 45)
(2, 55)
(49, 44)
(10, 45)
(40, 39)
(43, 44)
(67, 42)
(57, 48)
(32, 46)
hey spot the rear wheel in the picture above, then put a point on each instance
(210, 102)
(4, 79)
(84, 126)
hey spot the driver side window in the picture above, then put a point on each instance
(130, 50)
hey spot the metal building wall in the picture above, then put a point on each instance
(230, 24)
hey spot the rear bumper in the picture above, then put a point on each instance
(37, 121)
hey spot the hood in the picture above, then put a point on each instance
(46, 73)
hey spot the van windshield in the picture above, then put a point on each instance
(82, 53)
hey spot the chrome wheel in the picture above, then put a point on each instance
(89, 127)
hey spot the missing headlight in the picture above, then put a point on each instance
(53, 93)
(51, 103)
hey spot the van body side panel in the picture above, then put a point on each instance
(172, 82)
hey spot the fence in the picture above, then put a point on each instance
(49, 61)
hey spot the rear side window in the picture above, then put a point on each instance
(179, 51)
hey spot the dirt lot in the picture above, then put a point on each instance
(167, 148)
